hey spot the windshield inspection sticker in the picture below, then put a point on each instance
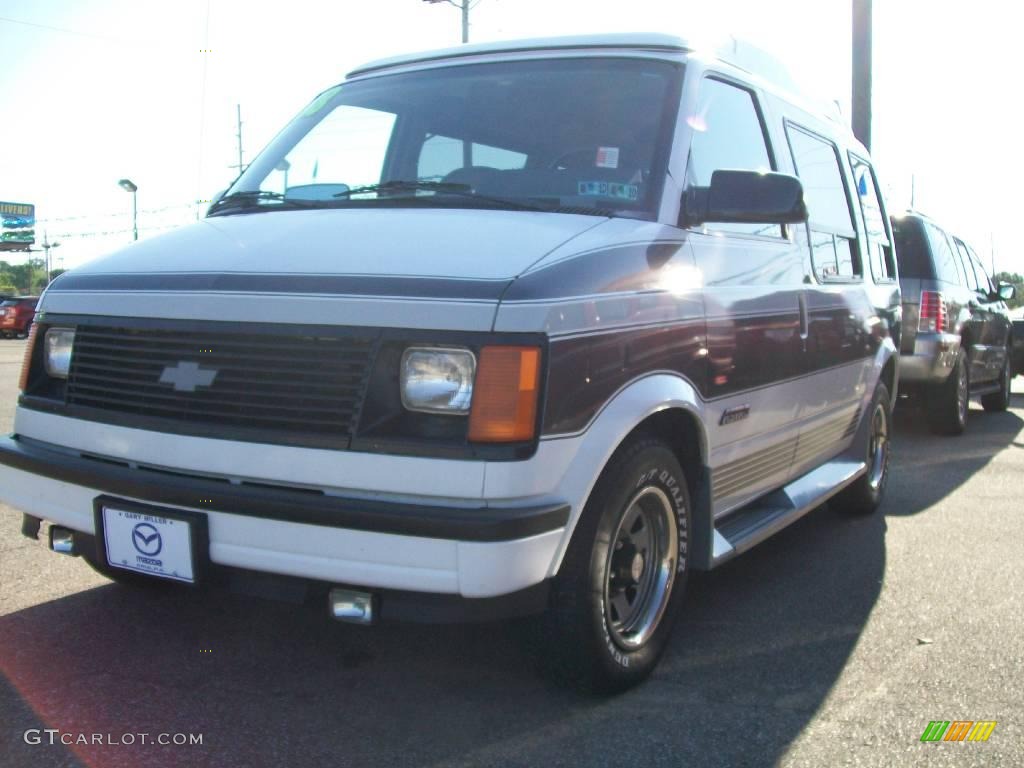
(607, 157)
(608, 189)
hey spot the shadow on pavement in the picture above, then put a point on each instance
(761, 643)
(947, 461)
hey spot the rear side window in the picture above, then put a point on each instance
(946, 268)
(879, 244)
(728, 133)
(833, 236)
(973, 282)
(984, 281)
(912, 248)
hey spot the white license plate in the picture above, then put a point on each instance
(150, 543)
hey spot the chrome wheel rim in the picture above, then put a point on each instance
(878, 446)
(640, 568)
(961, 391)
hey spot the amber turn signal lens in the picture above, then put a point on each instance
(504, 406)
(26, 362)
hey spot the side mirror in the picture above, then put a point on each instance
(1006, 291)
(745, 197)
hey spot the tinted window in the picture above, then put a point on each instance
(817, 165)
(728, 134)
(879, 246)
(942, 252)
(912, 248)
(984, 281)
(833, 237)
(965, 260)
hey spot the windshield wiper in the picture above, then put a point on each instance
(253, 199)
(443, 188)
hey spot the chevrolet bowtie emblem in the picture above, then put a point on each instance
(185, 376)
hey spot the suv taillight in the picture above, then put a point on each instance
(933, 313)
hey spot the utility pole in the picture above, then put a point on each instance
(462, 5)
(861, 102)
(47, 245)
(238, 112)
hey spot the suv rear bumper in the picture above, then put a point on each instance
(472, 550)
(932, 360)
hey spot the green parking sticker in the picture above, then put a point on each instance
(608, 189)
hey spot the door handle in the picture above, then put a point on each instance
(805, 325)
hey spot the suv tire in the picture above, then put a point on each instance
(948, 403)
(864, 495)
(613, 603)
(1000, 401)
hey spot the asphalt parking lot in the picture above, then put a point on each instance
(834, 643)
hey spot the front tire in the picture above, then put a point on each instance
(622, 581)
(1000, 401)
(864, 495)
(948, 403)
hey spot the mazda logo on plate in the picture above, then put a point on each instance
(185, 376)
(146, 539)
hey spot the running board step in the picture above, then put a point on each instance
(751, 525)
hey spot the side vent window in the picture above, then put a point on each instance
(833, 235)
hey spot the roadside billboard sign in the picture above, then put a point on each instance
(17, 226)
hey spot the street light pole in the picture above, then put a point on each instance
(129, 186)
(47, 245)
(462, 5)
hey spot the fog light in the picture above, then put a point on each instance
(351, 606)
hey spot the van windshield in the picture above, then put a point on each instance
(587, 135)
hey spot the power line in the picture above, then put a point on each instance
(147, 211)
(104, 38)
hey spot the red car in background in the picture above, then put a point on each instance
(16, 315)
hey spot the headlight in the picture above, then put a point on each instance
(57, 351)
(437, 379)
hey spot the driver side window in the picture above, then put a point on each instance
(728, 135)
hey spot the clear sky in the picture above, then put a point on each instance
(95, 90)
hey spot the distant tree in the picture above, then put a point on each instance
(1018, 282)
(7, 288)
(55, 273)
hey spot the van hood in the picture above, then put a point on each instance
(419, 268)
(456, 243)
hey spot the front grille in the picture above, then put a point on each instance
(284, 388)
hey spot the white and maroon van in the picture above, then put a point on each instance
(531, 327)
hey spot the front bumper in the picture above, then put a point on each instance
(474, 551)
(932, 360)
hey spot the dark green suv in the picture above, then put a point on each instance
(957, 334)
